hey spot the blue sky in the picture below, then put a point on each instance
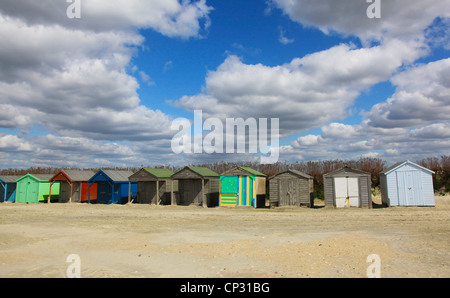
(249, 29)
(104, 89)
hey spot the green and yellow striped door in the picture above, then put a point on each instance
(229, 188)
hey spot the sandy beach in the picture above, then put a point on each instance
(174, 241)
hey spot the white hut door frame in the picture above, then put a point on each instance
(347, 192)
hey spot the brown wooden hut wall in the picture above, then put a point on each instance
(190, 189)
(190, 192)
(364, 185)
(301, 185)
(147, 192)
(64, 192)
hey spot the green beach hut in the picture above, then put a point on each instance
(242, 186)
(35, 188)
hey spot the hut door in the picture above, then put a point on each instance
(76, 195)
(146, 192)
(347, 192)
(353, 192)
(64, 193)
(409, 188)
(190, 191)
(33, 192)
(289, 192)
(104, 192)
(229, 190)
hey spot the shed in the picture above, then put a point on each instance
(153, 186)
(407, 184)
(196, 186)
(35, 188)
(291, 188)
(242, 186)
(8, 188)
(348, 187)
(112, 186)
(74, 186)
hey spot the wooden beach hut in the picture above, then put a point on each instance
(35, 188)
(348, 187)
(196, 186)
(242, 186)
(112, 186)
(8, 186)
(407, 184)
(291, 188)
(153, 186)
(74, 186)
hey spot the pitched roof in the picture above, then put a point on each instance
(295, 172)
(76, 175)
(9, 179)
(113, 175)
(160, 173)
(252, 171)
(116, 175)
(399, 164)
(242, 171)
(205, 172)
(346, 169)
(40, 177)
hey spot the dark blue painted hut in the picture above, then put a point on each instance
(8, 188)
(112, 186)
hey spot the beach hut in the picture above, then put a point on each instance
(407, 184)
(35, 188)
(291, 188)
(74, 187)
(196, 186)
(242, 186)
(153, 186)
(112, 186)
(348, 187)
(8, 188)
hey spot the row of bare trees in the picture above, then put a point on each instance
(441, 166)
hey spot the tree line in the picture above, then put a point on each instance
(316, 169)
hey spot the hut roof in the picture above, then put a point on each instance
(252, 171)
(399, 164)
(9, 179)
(39, 177)
(160, 173)
(118, 176)
(243, 171)
(113, 175)
(346, 169)
(295, 172)
(205, 172)
(75, 175)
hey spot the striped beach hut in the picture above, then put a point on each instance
(35, 188)
(8, 188)
(242, 186)
(153, 186)
(112, 186)
(196, 186)
(74, 186)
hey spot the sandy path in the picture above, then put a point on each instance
(157, 241)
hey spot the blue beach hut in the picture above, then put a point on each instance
(113, 186)
(8, 188)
